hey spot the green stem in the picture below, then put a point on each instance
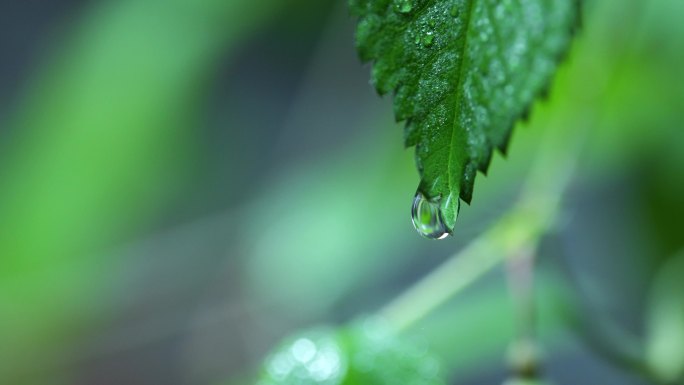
(524, 359)
(518, 230)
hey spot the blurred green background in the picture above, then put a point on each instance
(185, 182)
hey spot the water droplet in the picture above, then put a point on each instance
(403, 6)
(428, 39)
(427, 218)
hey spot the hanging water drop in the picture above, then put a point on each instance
(427, 218)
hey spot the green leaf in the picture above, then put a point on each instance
(462, 72)
(665, 322)
(366, 353)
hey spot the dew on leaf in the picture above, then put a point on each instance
(427, 218)
(428, 39)
(504, 52)
(403, 6)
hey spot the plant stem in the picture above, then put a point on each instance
(520, 273)
(517, 231)
(524, 357)
(461, 270)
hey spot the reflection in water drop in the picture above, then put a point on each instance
(427, 218)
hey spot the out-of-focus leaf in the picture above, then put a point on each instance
(102, 140)
(468, 333)
(665, 322)
(380, 357)
(316, 356)
(524, 381)
(462, 73)
(365, 353)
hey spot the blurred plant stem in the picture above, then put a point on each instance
(524, 355)
(516, 232)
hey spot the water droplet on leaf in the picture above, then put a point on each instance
(427, 218)
(428, 39)
(403, 6)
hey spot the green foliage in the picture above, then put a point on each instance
(364, 353)
(665, 322)
(524, 381)
(462, 73)
(104, 137)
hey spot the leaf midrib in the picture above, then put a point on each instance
(457, 100)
